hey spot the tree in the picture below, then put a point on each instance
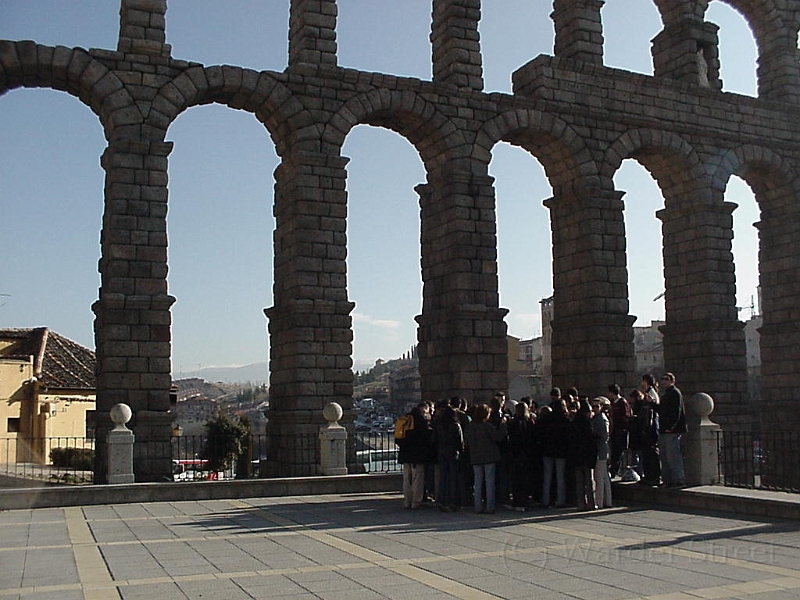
(227, 440)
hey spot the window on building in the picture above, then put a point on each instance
(13, 425)
(89, 425)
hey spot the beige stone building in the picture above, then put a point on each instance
(47, 394)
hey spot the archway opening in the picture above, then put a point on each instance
(383, 238)
(385, 37)
(209, 32)
(220, 254)
(628, 28)
(52, 213)
(737, 49)
(525, 264)
(508, 43)
(745, 247)
(645, 262)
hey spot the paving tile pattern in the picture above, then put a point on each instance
(368, 546)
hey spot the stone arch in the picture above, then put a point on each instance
(75, 71)
(776, 188)
(566, 159)
(775, 29)
(755, 164)
(700, 293)
(259, 93)
(405, 112)
(675, 10)
(764, 18)
(668, 157)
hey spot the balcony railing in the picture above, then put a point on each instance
(765, 461)
(68, 460)
(51, 460)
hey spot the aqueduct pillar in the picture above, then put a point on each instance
(462, 335)
(132, 324)
(310, 326)
(703, 338)
(592, 342)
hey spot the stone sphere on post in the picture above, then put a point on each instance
(120, 414)
(699, 407)
(332, 413)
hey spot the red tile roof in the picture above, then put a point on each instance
(58, 361)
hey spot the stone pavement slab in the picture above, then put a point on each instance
(353, 546)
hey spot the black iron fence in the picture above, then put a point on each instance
(376, 452)
(197, 457)
(50, 460)
(62, 460)
(767, 461)
(746, 459)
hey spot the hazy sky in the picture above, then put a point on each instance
(220, 220)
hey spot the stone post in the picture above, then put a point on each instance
(778, 72)
(142, 28)
(120, 446)
(333, 442)
(133, 320)
(700, 450)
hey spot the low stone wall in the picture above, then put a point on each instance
(746, 502)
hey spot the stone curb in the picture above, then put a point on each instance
(713, 499)
(705, 498)
(85, 495)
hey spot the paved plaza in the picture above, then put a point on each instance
(365, 546)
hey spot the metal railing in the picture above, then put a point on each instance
(376, 451)
(50, 460)
(765, 461)
(62, 460)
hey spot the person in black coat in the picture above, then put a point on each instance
(582, 456)
(448, 438)
(672, 425)
(521, 442)
(552, 429)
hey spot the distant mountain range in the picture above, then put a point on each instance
(256, 373)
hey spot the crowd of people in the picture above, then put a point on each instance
(564, 452)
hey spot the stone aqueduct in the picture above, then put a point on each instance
(577, 117)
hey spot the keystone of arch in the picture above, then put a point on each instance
(256, 92)
(72, 70)
(566, 159)
(405, 112)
